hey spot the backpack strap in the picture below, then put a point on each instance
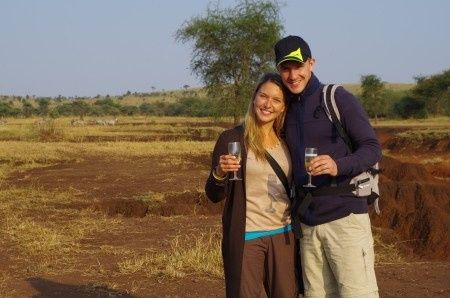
(295, 220)
(281, 175)
(332, 111)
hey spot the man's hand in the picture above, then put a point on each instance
(322, 165)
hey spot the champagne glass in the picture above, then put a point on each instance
(310, 153)
(234, 148)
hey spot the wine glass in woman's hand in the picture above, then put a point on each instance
(234, 148)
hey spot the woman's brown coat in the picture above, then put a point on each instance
(234, 212)
(233, 219)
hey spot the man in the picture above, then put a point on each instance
(337, 245)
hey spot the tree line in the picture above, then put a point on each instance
(429, 97)
(49, 107)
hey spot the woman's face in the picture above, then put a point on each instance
(268, 103)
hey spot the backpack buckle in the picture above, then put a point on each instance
(363, 183)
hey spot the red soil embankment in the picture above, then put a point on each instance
(416, 206)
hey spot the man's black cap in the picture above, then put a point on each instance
(291, 48)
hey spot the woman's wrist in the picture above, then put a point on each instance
(217, 176)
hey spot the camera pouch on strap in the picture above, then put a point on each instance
(366, 183)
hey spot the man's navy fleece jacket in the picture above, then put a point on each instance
(307, 125)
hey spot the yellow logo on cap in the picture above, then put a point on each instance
(297, 54)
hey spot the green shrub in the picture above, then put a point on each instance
(411, 107)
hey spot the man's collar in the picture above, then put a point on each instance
(312, 86)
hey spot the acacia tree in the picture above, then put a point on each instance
(373, 93)
(232, 48)
(81, 108)
(43, 106)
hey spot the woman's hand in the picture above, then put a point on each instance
(323, 164)
(227, 163)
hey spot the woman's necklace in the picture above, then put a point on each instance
(271, 141)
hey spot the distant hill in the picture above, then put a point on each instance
(355, 88)
(164, 96)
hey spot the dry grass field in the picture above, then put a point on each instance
(120, 211)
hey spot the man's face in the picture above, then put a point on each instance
(296, 75)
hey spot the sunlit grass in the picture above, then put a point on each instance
(433, 160)
(386, 253)
(66, 121)
(442, 121)
(151, 199)
(5, 280)
(425, 134)
(38, 239)
(18, 152)
(201, 255)
(128, 128)
(198, 255)
(42, 238)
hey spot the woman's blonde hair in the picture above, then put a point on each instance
(253, 135)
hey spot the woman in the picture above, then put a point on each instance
(258, 248)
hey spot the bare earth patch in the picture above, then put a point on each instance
(148, 206)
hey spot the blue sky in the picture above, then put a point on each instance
(90, 47)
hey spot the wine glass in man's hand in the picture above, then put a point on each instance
(234, 148)
(310, 154)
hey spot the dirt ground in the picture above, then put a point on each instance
(415, 211)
